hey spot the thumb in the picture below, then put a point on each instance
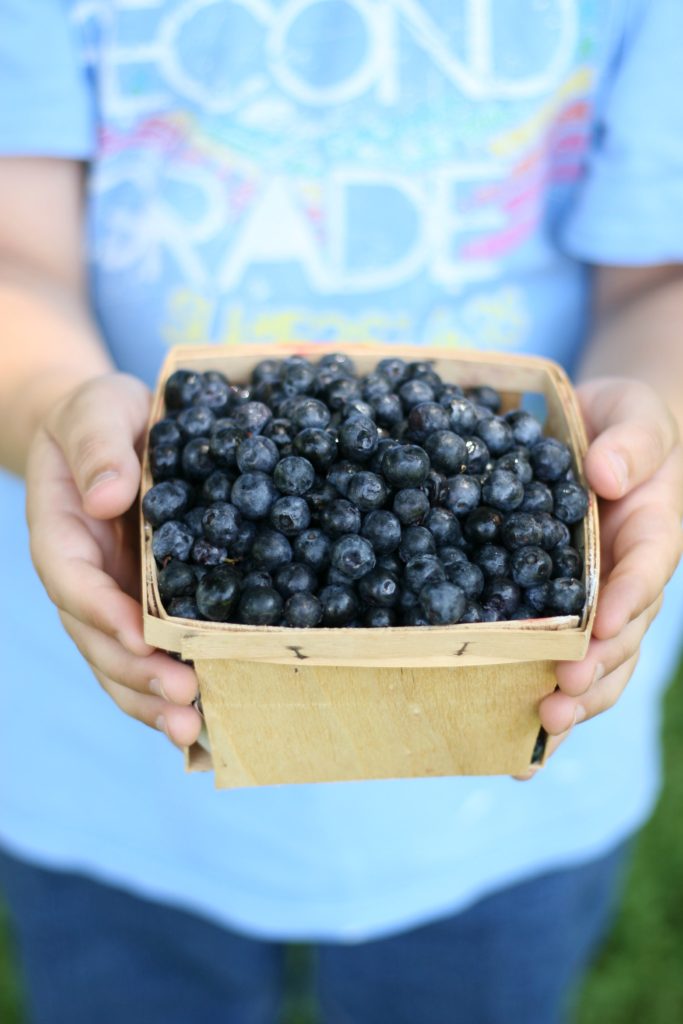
(632, 434)
(97, 428)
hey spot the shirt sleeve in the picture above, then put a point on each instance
(46, 102)
(629, 210)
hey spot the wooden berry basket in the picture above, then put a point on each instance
(286, 705)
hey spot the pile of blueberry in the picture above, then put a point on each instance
(315, 497)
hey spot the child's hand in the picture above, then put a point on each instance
(82, 479)
(635, 465)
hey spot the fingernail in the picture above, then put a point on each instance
(161, 724)
(620, 470)
(101, 478)
(579, 714)
(599, 673)
(155, 687)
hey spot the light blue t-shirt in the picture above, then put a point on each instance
(431, 171)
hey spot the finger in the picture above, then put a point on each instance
(157, 674)
(97, 428)
(646, 551)
(565, 711)
(604, 656)
(181, 725)
(634, 433)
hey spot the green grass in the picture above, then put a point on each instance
(638, 976)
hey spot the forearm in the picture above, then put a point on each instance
(639, 334)
(49, 347)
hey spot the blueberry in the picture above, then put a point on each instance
(525, 428)
(353, 556)
(218, 593)
(181, 388)
(312, 547)
(290, 515)
(176, 580)
(425, 419)
(164, 462)
(166, 500)
(197, 421)
(254, 494)
(303, 611)
(194, 520)
(341, 391)
(449, 556)
(309, 412)
(271, 549)
(221, 523)
(367, 491)
(566, 596)
(383, 530)
(492, 559)
(379, 588)
(216, 487)
(379, 618)
(205, 553)
(297, 378)
(266, 371)
(570, 502)
(478, 455)
(295, 578)
(536, 596)
(242, 544)
(416, 540)
(165, 432)
(341, 474)
(216, 393)
(414, 392)
(317, 446)
(257, 578)
(555, 533)
(410, 506)
(415, 617)
(442, 603)
(358, 438)
(321, 494)
(447, 451)
(394, 369)
(496, 435)
(183, 608)
(473, 612)
(566, 562)
(550, 459)
(257, 454)
(405, 466)
(502, 596)
(486, 396)
(293, 475)
(462, 416)
(387, 410)
(422, 569)
(260, 606)
(464, 494)
(197, 460)
(537, 498)
(503, 490)
(340, 517)
(482, 525)
(521, 529)
(530, 565)
(172, 540)
(339, 605)
(251, 417)
(224, 445)
(518, 464)
(375, 385)
(340, 361)
(280, 432)
(444, 526)
(469, 578)
(391, 563)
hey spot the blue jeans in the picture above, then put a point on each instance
(92, 954)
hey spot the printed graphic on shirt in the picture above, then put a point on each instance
(326, 169)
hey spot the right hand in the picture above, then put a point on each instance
(82, 481)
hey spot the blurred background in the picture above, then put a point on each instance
(637, 978)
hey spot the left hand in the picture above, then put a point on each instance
(635, 466)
